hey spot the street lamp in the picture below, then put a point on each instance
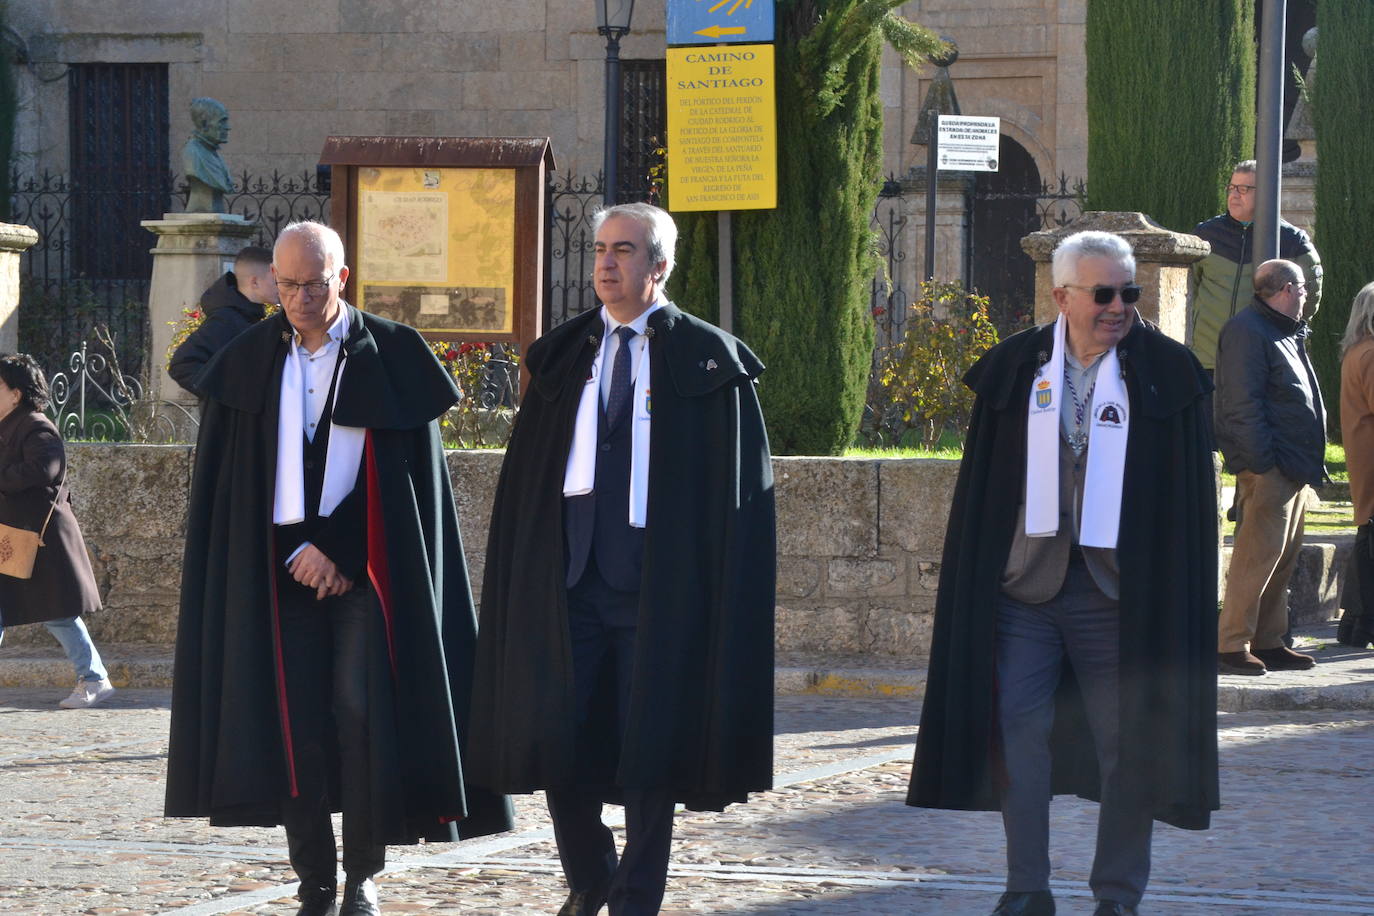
(613, 21)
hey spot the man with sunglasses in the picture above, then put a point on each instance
(1075, 619)
(1223, 280)
(1271, 428)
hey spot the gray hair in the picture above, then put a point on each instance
(1273, 276)
(318, 236)
(1090, 244)
(1361, 323)
(659, 229)
(1248, 166)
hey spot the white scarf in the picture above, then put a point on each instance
(1108, 428)
(343, 450)
(579, 477)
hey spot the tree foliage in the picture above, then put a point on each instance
(1343, 109)
(1171, 104)
(802, 270)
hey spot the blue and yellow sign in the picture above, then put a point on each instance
(697, 22)
(722, 129)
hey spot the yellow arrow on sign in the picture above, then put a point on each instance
(715, 31)
(747, 4)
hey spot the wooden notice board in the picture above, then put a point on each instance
(445, 234)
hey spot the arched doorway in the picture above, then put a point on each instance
(1003, 210)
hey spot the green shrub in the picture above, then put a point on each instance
(919, 390)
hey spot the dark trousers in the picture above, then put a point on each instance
(324, 651)
(1032, 642)
(602, 624)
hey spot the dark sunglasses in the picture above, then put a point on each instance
(1103, 295)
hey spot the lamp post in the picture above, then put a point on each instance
(1269, 131)
(613, 21)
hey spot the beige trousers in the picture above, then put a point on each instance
(1270, 510)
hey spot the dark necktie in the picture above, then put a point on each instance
(618, 398)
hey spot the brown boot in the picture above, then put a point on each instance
(1240, 662)
(1282, 658)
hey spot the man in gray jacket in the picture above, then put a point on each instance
(1271, 428)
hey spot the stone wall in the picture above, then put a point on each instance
(858, 544)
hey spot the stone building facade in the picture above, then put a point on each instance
(293, 73)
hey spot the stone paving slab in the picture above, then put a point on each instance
(80, 831)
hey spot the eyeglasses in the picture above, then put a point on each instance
(1103, 295)
(1241, 189)
(313, 287)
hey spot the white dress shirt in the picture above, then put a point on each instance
(317, 369)
(610, 343)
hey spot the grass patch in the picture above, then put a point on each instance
(903, 452)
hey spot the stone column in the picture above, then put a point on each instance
(193, 251)
(1162, 261)
(951, 227)
(14, 241)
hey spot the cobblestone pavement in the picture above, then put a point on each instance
(80, 832)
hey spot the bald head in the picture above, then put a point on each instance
(1280, 284)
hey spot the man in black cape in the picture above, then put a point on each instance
(1075, 625)
(626, 649)
(326, 631)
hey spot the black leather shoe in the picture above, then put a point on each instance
(360, 898)
(1113, 908)
(585, 903)
(1025, 903)
(316, 902)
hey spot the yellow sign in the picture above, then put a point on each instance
(722, 128)
(436, 247)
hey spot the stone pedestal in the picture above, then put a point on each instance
(1162, 261)
(14, 241)
(951, 227)
(193, 251)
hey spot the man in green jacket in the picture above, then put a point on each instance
(1224, 280)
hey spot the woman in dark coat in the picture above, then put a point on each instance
(62, 588)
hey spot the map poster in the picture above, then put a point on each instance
(436, 248)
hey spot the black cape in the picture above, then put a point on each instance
(1167, 551)
(227, 759)
(701, 713)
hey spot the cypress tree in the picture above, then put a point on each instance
(1342, 109)
(802, 270)
(1171, 104)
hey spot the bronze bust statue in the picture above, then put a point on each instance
(206, 173)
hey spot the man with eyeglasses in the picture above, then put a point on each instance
(1271, 428)
(326, 624)
(1223, 281)
(1075, 619)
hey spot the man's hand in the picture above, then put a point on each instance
(313, 569)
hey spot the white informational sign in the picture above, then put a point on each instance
(968, 144)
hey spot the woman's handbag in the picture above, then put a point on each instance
(19, 546)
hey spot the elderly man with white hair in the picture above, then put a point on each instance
(1076, 617)
(326, 625)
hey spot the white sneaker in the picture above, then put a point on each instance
(88, 693)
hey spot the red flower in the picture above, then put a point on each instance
(193, 314)
(878, 310)
(450, 354)
(464, 348)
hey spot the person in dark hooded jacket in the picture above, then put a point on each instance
(233, 303)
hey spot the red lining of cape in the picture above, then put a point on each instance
(281, 670)
(377, 568)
